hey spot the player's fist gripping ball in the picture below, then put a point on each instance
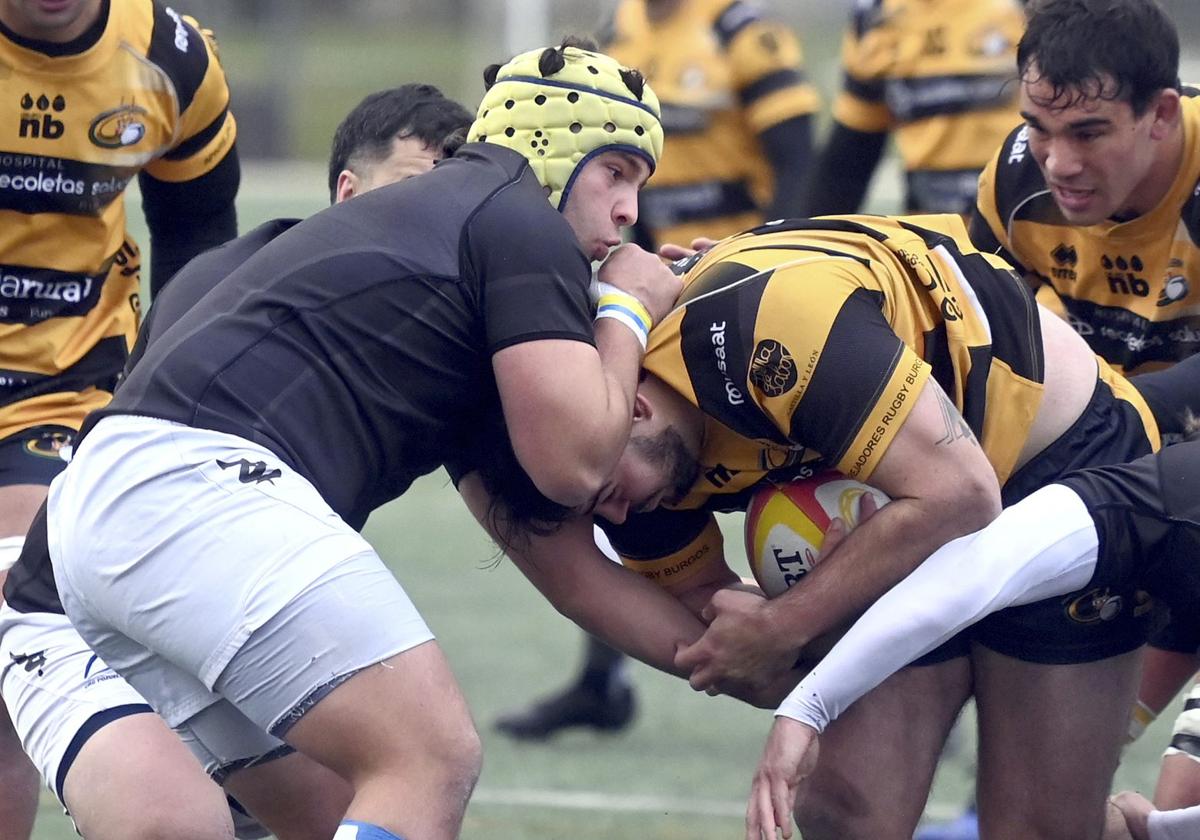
(786, 525)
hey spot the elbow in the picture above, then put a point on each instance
(978, 503)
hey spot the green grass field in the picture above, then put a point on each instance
(681, 771)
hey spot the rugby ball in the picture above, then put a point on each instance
(786, 525)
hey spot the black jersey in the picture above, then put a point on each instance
(1147, 516)
(357, 344)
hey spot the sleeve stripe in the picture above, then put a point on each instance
(186, 66)
(733, 19)
(770, 83)
(199, 140)
(872, 91)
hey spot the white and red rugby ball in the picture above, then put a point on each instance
(786, 525)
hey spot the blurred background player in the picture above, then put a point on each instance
(737, 117)
(937, 76)
(96, 92)
(1094, 198)
(59, 708)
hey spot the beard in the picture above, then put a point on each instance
(667, 452)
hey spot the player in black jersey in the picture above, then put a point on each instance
(60, 709)
(398, 321)
(1099, 529)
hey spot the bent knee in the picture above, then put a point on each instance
(822, 815)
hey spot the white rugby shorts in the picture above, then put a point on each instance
(200, 567)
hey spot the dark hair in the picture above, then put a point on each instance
(518, 508)
(1107, 49)
(420, 111)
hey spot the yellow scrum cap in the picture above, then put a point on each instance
(561, 106)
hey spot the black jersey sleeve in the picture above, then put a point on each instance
(189, 217)
(532, 278)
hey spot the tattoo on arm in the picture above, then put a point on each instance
(956, 424)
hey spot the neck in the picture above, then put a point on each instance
(1160, 178)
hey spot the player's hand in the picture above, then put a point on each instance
(639, 273)
(789, 756)
(1136, 810)
(673, 252)
(837, 530)
(738, 653)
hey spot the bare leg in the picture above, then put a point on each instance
(294, 797)
(19, 781)
(1050, 737)
(401, 733)
(135, 780)
(878, 759)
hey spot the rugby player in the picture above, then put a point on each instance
(95, 93)
(1098, 529)
(461, 295)
(737, 115)
(890, 350)
(1094, 199)
(936, 76)
(95, 740)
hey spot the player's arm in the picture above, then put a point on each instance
(568, 404)
(622, 608)
(188, 193)
(842, 172)
(1042, 547)
(942, 486)
(778, 101)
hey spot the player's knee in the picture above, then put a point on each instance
(823, 814)
(166, 823)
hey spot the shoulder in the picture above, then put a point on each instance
(175, 44)
(730, 18)
(1013, 186)
(867, 16)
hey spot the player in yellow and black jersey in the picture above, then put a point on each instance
(937, 76)
(1095, 198)
(894, 351)
(137, 91)
(95, 92)
(736, 113)
(1128, 283)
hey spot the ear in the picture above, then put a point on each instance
(1166, 108)
(643, 409)
(347, 186)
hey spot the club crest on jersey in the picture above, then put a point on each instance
(48, 444)
(1176, 288)
(1095, 605)
(772, 368)
(118, 127)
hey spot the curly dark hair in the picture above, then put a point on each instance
(1099, 49)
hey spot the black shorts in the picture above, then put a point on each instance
(33, 456)
(1095, 622)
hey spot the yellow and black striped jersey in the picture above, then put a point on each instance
(805, 345)
(1126, 287)
(142, 91)
(724, 73)
(939, 75)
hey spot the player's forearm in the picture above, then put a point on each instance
(873, 558)
(1043, 547)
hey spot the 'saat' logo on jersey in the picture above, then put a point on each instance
(118, 127)
(1066, 257)
(1123, 276)
(255, 471)
(772, 368)
(37, 116)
